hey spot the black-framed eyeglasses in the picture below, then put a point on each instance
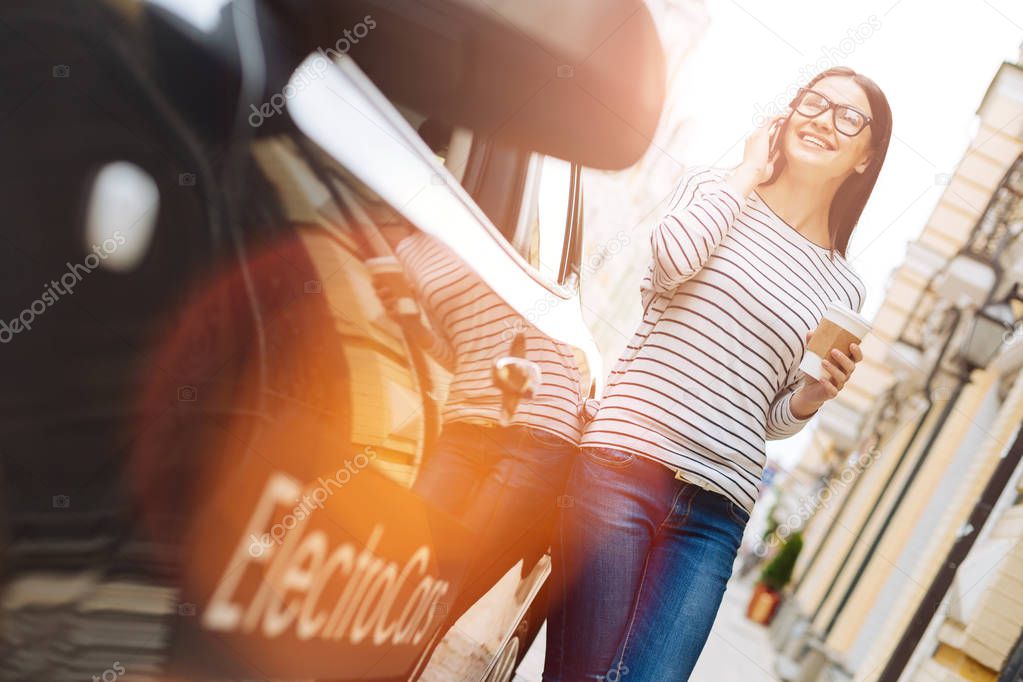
(847, 120)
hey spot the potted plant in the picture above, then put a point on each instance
(773, 579)
(772, 522)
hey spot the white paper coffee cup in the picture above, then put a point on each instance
(839, 327)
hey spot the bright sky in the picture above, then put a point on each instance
(933, 59)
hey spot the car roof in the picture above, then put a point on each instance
(582, 80)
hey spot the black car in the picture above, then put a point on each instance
(211, 422)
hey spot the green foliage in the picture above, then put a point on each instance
(772, 523)
(778, 572)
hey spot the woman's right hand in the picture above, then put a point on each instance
(758, 153)
(758, 160)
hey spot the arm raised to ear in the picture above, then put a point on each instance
(702, 209)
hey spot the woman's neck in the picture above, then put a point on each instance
(803, 203)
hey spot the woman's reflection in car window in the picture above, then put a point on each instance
(499, 464)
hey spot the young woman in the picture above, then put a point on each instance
(742, 267)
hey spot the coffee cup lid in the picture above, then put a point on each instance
(848, 318)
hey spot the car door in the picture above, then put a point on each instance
(544, 226)
(323, 563)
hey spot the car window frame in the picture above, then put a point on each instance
(390, 119)
(526, 185)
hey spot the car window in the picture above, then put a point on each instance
(450, 144)
(538, 230)
(553, 207)
(546, 207)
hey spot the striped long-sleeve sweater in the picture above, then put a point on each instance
(473, 326)
(728, 297)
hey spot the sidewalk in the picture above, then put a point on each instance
(736, 650)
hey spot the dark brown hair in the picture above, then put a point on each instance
(852, 195)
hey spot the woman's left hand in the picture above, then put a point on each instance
(838, 368)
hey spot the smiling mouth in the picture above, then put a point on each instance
(815, 141)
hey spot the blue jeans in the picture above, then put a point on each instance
(641, 560)
(501, 483)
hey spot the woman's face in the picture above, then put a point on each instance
(844, 154)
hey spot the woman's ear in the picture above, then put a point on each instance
(862, 165)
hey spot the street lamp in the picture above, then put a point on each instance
(991, 326)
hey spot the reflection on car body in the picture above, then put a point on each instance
(506, 445)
